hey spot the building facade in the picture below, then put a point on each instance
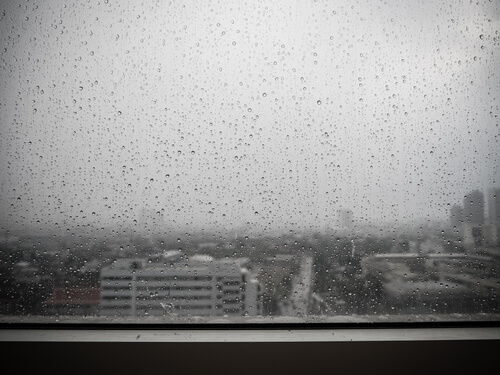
(492, 233)
(345, 218)
(494, 204)
(474, 207)
(456, 216)
(473, 226)
(173, 285)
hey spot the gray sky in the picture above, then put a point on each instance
(219, 113)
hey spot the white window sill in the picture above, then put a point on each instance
(243, 335)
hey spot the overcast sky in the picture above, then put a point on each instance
(218, 113)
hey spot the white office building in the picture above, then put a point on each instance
(171, 284)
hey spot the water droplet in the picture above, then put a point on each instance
(319, 102)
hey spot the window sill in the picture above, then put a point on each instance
(257, 335)
(256, 329)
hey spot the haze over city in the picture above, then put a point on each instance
(266, 115)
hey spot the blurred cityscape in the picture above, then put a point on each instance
(346, 269)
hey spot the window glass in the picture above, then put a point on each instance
(243, 161)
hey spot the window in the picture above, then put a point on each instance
(310, 161)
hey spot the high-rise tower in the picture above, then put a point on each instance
(492, 233)
(456, 216)
(494, 205)
(473, 231)
(474, 207)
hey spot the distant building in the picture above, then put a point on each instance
(26, 273)
(173, 285)
(456, 216)
(492, 229)
(73, 301)
(494, 204)
(430, 246)
(433, 283)
(345, 218)
(207, 246)
(473, 226)
(474, 207)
